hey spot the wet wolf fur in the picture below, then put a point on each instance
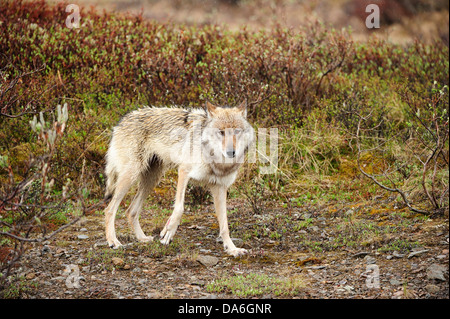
(149, 140)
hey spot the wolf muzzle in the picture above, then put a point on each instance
(231, 153)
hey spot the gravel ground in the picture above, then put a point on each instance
(370, 250)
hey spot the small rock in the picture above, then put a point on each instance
(126, 267)
(30, 276)
(83, 229)
(100, 243)
(210, 296)
(154, 295)
(317, 267)
(370, 260)
(342, 282)
(397, 254)
(360, 254)
(417, 253)
(143, 281)
(305, 216)
(349, 288)
(395, 282)
(314, 228)
(432, 289)
(436, 271)
(346, 288)
(207, 261)
(117, 261)
(196, 282)
(59, 278)
(45, 249)
(146, 260)
(69, 268)
(83, 236)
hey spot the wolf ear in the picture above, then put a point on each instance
(210, 108)
(243, 108)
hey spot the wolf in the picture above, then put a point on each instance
(208, 145)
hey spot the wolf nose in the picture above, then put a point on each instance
(231, 153)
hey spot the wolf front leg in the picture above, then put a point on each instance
(220, 204)
(174, 220)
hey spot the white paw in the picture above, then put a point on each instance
(114, 244)
(236, 252)
(167, 235)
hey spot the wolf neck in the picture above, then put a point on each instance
(223, 169)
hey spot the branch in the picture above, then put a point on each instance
(38, 240)
(9, 90)
(394, 190)
(331, 69)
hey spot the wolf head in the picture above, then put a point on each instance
(228, 134)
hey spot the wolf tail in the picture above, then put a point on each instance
(111, 177)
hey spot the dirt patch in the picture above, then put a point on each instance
(369, 250)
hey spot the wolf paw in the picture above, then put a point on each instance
(115, 244)
(236, 252)
(167, 235)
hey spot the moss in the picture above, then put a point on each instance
(348, 168)
(20, 155)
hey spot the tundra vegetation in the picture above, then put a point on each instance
(363, 147)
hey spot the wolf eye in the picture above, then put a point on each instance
(237, 131)
(221, 132)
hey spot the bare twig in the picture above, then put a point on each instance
(44, 238)
(331, 69)
(390, 189)
(7, 95)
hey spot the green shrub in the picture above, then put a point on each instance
(310, 84)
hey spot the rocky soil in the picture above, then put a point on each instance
(365, 250)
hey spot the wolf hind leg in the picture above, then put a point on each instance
(123, 185)
(147, 182)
